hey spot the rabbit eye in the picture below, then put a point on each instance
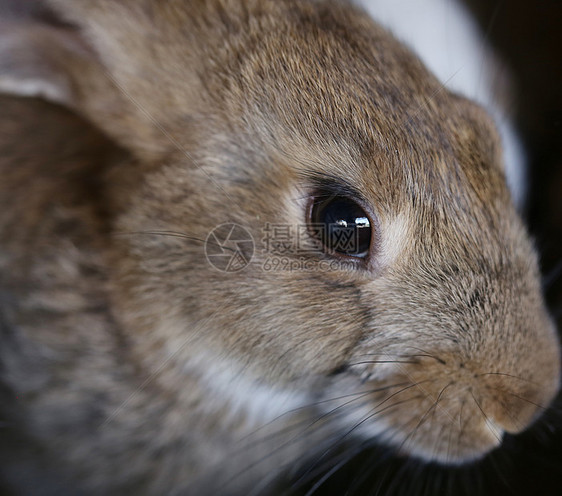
(342, 226)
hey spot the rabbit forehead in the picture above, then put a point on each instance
(362, 108)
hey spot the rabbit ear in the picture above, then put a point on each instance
(99, 69)
(28, 62)
(151, 51)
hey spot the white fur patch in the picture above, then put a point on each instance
(229, 385)
(394, 238)
(39, 88)
(259, 402)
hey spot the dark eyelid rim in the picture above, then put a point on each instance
(334, 185)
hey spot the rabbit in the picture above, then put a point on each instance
(241, 234)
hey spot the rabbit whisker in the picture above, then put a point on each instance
(366, 362)
(541, 407)
(348, 457)
(359, 394)
(424, 417)
(174, 234)
(307, 431)
(310, 473)
(485, 416)
(509, 375)
(374, 412)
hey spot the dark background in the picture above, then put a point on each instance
(529, 37)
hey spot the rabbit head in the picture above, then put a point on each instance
(251, 122)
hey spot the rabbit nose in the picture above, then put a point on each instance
(514, 413)
(513, 407)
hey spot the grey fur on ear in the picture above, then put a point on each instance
(29, 61)
(58, 64)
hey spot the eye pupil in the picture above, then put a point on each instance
(342, 226)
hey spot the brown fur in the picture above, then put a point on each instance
(116, 342)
